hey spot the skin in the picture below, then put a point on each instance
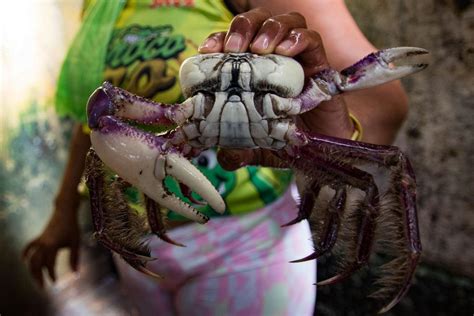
(326, 36)
(62, 230)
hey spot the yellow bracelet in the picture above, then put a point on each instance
(85, 129)
(357, 135)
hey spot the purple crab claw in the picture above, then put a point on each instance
(139, 158)
(375, 69)
(378, 68)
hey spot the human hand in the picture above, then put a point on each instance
(62, 231)
(260, 32)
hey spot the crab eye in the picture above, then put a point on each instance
(207, 159)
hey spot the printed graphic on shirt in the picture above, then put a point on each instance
(138, 59)
(169, 3)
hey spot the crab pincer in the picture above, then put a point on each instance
(381, 67)
(375, 69)
(143, 158)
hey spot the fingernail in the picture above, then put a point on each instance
(261, 43)
(234, 43)
(210, 43)
(285, 45)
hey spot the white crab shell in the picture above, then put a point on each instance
(233, 98)
(254, 71)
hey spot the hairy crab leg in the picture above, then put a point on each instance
(367, 213)
(331, 229)
(155, 219)
(383, 155)
(95, 177)
(141, 158)
(336, 209)
(368, 208)
(306, 204)
(138, 253)
(403, 186)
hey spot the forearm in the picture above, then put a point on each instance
(381, 111)
(62, 230)
(68, 193)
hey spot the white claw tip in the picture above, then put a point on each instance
(184, 172)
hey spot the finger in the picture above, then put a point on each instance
(307, 46)
(274, 30)
(243, 29)
(36, 267)
(26, 251)
(50, 261)
(214, 43)
(232, 159)
(74, 258)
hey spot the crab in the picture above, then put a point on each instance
(244, 100)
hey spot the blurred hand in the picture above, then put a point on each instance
(258, 31)
(62, 231)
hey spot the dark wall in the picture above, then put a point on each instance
(438, 134)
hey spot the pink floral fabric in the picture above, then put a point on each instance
(235, 265)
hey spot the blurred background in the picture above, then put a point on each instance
(438, 137)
